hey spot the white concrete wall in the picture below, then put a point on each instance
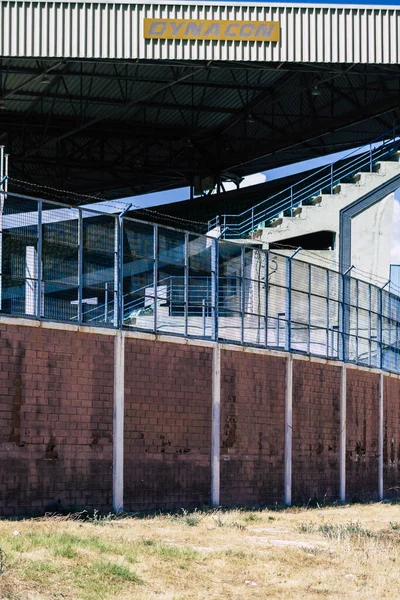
(371, 231)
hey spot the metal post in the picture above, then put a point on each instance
(343, 426)
(39, 259)
(380, 324)
(80, 265)
(203, 315)
(155, 274)
(288, 337)
(370, 158)
(242, 292)
(288, 432)
(186, 283)
(252, 222)
(331, 178)
(344, 324)
(291, 200)
(120, 285)
(2, 198)
(380, 438)
(6, 157)
(116, 273)
(106, 303)
(309, 310)
(327, 313)
(214, 287)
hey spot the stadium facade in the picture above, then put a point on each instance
(146, 366)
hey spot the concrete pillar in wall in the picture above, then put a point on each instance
(118, 422)
(342, 443)
(288, 431)
(380, 438)
(216, 426)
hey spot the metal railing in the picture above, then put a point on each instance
(79, 266)
(323, 181)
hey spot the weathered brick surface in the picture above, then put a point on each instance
(391, 439)
(362, 435)
(316, 431)
(56, 395)
(167, 425)
(252, 428)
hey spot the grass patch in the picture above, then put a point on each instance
(227, 554)
(113, 571)
(340, 531)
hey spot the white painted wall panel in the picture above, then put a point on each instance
(318, 33)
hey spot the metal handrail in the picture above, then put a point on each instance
(324, 179)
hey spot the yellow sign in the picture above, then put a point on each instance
(194, 29)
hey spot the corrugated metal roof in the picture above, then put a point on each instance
(114, 30)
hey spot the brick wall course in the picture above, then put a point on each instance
(252, 428)
(391, 437)
(316, 431)
(362, 435)
(167, 425)
(56, 409)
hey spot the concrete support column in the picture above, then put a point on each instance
(380, 438)
(118, 422)
(216, 426)
(342, 447)
(288, 430)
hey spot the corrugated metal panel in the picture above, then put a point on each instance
(318, 33)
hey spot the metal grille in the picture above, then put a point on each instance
(80, 266)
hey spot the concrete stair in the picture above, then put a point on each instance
(308, 217)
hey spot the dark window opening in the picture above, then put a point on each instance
(319, 240)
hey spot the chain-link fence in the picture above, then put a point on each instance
(80, 266)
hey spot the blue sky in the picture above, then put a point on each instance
(345, 2)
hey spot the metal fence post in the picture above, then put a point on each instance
(155, 273)
(120, 286)
(331, 178)
(106, 302)
(344, 329)
(215, 288)
(186, 284)
(370, 158)
(120, 274)
(266, 290)
(381, 290)
(288, 337)
(242, 292)
(39, 261)
(80, 265)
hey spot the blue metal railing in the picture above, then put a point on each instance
(322, 181)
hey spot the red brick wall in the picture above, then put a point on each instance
(391, 439)
(362, 435)
(56, 394)
(167, 425)
(316, 431)
(252, 428)
(56, 405)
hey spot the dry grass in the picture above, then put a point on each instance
(347, 552)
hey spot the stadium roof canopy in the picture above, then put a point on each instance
(119, 99)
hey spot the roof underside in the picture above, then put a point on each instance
(120, 128)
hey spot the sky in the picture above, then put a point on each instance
(345, 2)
